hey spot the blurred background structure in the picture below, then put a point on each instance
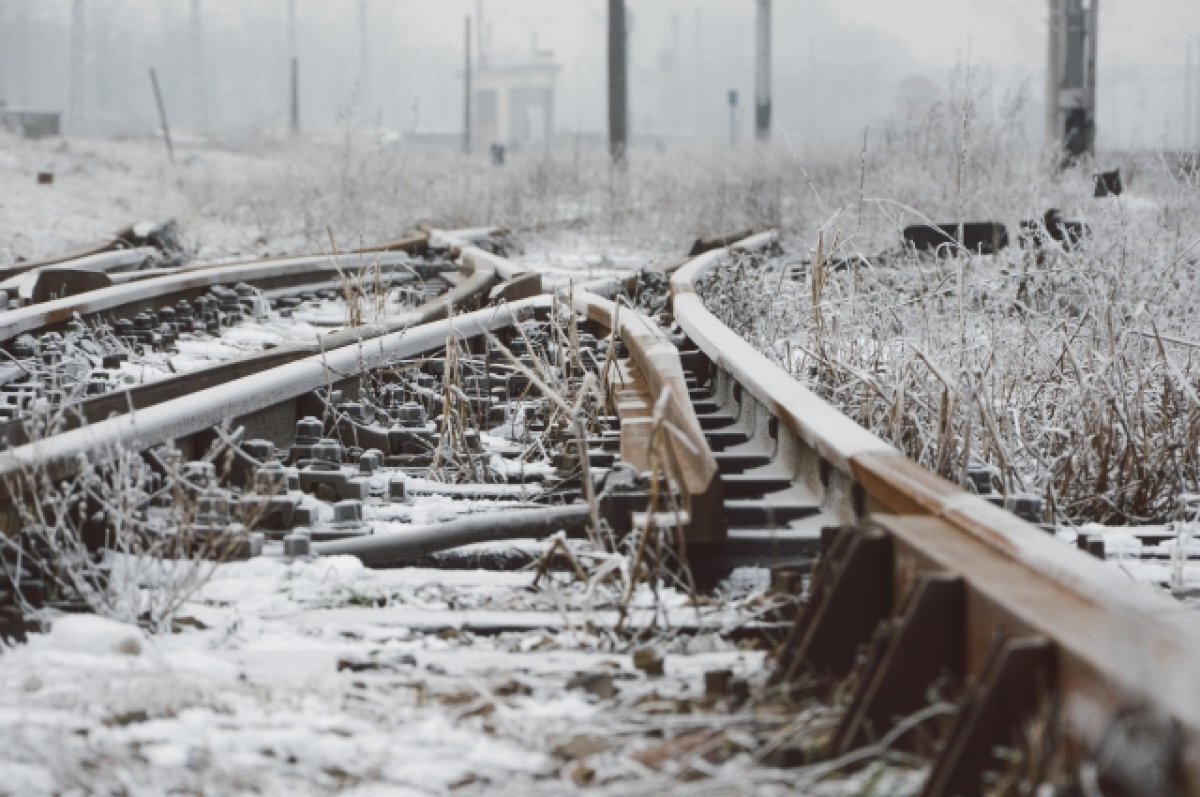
(833, 69)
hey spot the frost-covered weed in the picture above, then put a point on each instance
(1073, 371)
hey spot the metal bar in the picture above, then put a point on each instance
(380, 550)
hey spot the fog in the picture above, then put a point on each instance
(839, 67)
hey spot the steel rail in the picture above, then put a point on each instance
(188, 283)
(479, 278)
(961, 585)
(133, 236)
(254, 401)
(657, 387)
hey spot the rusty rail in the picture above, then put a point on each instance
(190, 282)
(651, 400)
(946, 583)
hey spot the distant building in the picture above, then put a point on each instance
(30, 124)
(514, 103)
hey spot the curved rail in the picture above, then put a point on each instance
(190, 283)
(968, 587)
(652, 403)
(479, 278)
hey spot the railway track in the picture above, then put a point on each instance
(577, 422)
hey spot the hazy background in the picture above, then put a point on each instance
(839, 66)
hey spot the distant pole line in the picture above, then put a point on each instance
(1072, 35)
(76, 122)
(162, 113)
(762, 73)
(1187, 98)
(364, 54)
(295, 100)
(618, 82)
(199, 97)
(467, 87)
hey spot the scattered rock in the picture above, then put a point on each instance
(580, 747)
(649, 661)
(126, 718)
(599, 684)
(377, 663)
(581, 774)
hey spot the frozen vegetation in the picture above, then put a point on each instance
(1072, 373)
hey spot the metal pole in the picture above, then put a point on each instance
(467, 85)
(733, 103)
(78, 66)
(199, 101)
(293, 70)
(1187, 99)
(364, 55)
(762, 74)
(162, 113)
(1071, 77)
(618, 82)
(480, 48)
(1054, 66)
(295, 100)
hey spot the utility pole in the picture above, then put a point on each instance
(295, 109)
(618, 82)
(199, 100)
(1187, 99)
(364, 55)
(467, 88)
(480, 44)
(733, 104)
(1071, 77)
(762, 74)
(294, 70)
(21, 52)
(699, 92)
(78, 67)
(162, 113)
(7, 67)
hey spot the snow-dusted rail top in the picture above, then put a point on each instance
(975, 588)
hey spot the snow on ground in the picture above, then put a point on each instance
(279, 681)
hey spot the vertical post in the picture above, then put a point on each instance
(1071, 77)
(1195, 105)
(1092, 13)
(295, 103)
(618, 82)
(698, 91)
(7, 67)
(21, 53)
(364, 55)
(1187, 99)
(78, 66)
(199, 104)
(293, 61)
(480, 48)
(162, 113)
(733, 104)
(762, 74)
(467, 87)
(1055, 59)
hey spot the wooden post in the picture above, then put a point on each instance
(162, 113)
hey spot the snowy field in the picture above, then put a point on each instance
(321, 677)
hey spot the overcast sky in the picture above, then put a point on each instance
(839, 64)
